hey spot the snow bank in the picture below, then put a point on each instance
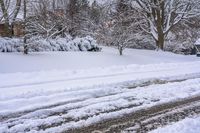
(59, 44)
(189, 125)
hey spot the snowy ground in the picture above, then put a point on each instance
(189, 125)
(17, 62)
(32, 99)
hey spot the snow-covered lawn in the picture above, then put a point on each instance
(17, 62)
(189, 125)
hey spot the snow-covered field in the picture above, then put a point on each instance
(189, 125)
(55, 92)
(17, 62)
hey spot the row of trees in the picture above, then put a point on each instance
(73, 17)
(117, 23)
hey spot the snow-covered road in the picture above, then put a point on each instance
(188, 125)
(58, 101)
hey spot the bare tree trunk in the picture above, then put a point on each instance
(120, 51)
(160, 22)
(4, 11)
(16, 12)
(25, 39)
(8, 31)
(160, 41)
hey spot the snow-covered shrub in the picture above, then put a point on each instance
(86, 44)
(38, 44)
(10, 44)
(177, 47)
(179, 44)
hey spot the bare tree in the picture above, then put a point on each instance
(45, 21)
(160, 16)
(9, 14)
(121, 36)
(123, 25)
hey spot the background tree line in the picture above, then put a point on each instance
(121, 23)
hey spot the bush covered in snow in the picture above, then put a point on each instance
(58, 44)
(10, 45)
(180, 44)
(180, 47)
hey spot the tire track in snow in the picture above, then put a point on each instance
(129, 85)
(18, 121)
(145, 120)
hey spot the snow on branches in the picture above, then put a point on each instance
(160, 16)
